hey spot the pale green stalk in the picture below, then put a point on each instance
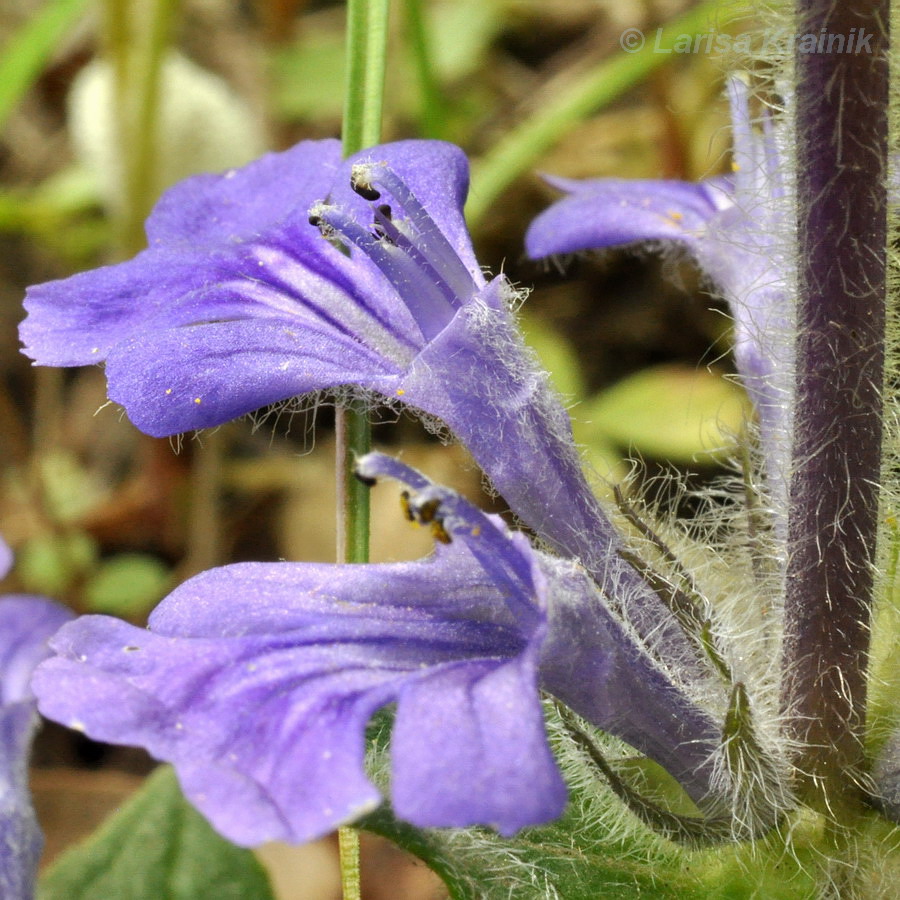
(363, 103)
(136, 37)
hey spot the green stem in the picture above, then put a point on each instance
(366, 63)
(363, 104)
(432, 107)
(141, 184)
(522, 147)
(136, 38)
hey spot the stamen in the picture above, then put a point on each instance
(425, 297)
(449, 516)
(428, 238)
(386, 228)
(361, 183)
(408, 514)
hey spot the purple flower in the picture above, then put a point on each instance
(257, 682)
(739, 230)
(25, 624)
(240, 301)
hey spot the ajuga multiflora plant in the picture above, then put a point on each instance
(630, 707)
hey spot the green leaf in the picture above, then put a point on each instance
(473, 25)
(49, 563)
(127, 585)
(25, 54)
(669, 412)
(308, 76)
(157, 847)
(555, 354)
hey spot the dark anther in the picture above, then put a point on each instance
(366, 480)
(428, 510)
(315, 221)
(363, 188)
(385, 210)
(438, 532)
(407, 509)
(379, 232)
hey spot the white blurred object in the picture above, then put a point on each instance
(203, 126)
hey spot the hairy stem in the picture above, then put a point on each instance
(841, 126)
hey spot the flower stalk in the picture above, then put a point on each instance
(842, 139)
(363, 106)
(136, 36)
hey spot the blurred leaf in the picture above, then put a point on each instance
(63, 212)
(157, 847)
(309, 76)
(127, 585)
(461, 33)
(669, 412)
(602, 460)
(50, 563)
(70, 191)
(69, 491)
(23, 57)
(556, 356)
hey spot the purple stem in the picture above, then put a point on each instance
(841, 121)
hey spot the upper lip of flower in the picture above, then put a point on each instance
(405, 243)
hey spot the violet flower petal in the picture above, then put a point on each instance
(256, 681)
(609, 212)
(590, 659)
(74, 321)
(25, 625)
(220, 371)
(736, 228)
